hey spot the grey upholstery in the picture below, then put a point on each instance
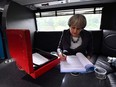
(109, 43)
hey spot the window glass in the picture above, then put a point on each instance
(56, 23)
(65, 12)
(46, 14)
(59, 23)
(50, 22)
(93, 21)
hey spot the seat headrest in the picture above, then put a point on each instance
(109, 43)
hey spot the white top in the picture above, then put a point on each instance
(75, 45)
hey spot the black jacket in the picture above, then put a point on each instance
(85, 47)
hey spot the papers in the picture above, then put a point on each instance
(39, 59)
(76, 63)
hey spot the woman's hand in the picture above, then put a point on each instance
(62, 57)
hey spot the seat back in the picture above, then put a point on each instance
(20, 48)
(109, 43)
(97, 41)
(47, 41)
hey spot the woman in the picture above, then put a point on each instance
(75, 39)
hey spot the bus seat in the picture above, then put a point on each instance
(47, 41)
(109, 43)
(20, 49)
(97, 41)
(108, 48)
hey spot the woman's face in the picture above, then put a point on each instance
(75, 31)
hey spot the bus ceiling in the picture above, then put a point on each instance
(46, 5)
(52, 5)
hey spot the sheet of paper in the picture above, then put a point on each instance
(39, 59)
(76, 63)
(71, 65)
(86, 63)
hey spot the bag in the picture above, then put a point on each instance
(112, 61)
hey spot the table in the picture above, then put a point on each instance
(11, 76)
(84, 80)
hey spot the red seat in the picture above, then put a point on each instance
(20, 49)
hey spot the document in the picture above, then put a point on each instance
(76, 63)
(39, 59)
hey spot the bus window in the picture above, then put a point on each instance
(50, 22)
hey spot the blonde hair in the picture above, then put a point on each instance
(77, 20)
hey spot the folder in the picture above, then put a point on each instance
(20, 49)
